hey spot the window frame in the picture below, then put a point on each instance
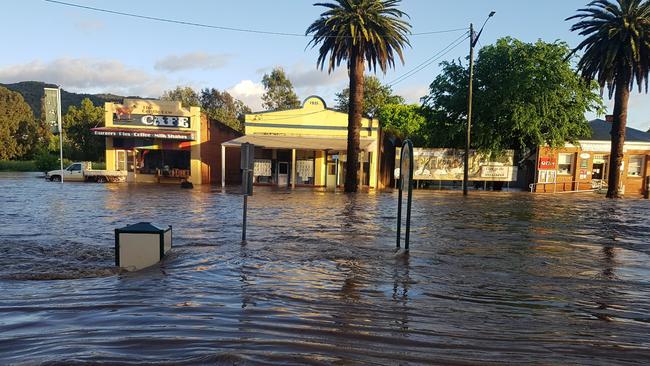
(571, 164)
(640, 166)
(76, 167)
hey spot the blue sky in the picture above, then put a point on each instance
(86, 51)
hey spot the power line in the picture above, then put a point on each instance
(438, 55)
(211, 26)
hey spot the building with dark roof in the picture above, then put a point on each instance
(585, 165)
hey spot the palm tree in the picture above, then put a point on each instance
(616, 55)
(358, 31)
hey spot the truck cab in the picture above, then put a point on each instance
(73, 173)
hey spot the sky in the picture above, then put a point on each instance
(93, 52)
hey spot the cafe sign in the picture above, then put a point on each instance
(152, 121)
(546, 163)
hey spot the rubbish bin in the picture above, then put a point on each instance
(141, 245)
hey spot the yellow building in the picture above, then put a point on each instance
(307, 146)
(154, 141)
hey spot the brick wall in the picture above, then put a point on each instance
(214, 133)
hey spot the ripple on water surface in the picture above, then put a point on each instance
(490, 279)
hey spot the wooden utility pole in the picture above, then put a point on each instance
(472, 43)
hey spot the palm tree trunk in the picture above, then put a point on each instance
(354, 120)
(618, 132)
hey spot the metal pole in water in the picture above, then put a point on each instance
(407, 144)
(409, 201)
(58, 112)
(399, 209)
(243, 232)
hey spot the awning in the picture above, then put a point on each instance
(298, 142)
(144, 134)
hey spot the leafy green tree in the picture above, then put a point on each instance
(358, 31)
(18, 128)
(223, 107)
(375, 96)
(46, 161)
(406, 121)
(616, 55)
(279, 93)
(184, 94)
(82, 143)
(526, 95)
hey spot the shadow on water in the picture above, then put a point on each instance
(495, 278)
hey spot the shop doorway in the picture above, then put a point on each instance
(599, 167)
(283, 174)
(331, 175)
(120, 160)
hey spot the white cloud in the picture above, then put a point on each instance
(638, 114)
(308, 80)
(88, 76)
(192, 61)
(248, 92)
(413, 93)
(305, 76)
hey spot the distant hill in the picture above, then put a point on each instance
(33, 93)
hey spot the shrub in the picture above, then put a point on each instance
(45, 161)
(17, 166)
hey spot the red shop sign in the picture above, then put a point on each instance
(546, 163)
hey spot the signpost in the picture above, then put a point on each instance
(53, 118)
(406, 179)
(247, 167)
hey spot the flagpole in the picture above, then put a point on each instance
(58, 111)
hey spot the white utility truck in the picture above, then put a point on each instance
(82, 172)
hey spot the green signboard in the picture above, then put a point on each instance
(52, 110)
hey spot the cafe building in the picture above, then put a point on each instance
(163, 142)
(586, 165)
(306, 147)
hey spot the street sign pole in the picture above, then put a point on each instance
(247, 165)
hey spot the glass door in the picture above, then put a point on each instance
(283, 174)
(120, 160)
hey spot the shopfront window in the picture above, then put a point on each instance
(166, 163)
(564, 164)
(305, 171)
(263, 171)
(635, 166)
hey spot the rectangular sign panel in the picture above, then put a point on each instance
(145, 134)
(447, 164)
(151, 120)
(52, 110)
(546, 163)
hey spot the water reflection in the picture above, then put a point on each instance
(490, 279)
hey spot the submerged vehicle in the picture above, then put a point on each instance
(83, 172)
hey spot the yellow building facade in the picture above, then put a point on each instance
(307, 146)
(154, 141)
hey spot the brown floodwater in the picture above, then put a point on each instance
(493, 278)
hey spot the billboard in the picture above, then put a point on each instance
(447, 164)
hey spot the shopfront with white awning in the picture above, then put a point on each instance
(306, 147)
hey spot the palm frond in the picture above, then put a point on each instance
(617, 42)
(375, 29)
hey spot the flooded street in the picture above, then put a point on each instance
(493, 278)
